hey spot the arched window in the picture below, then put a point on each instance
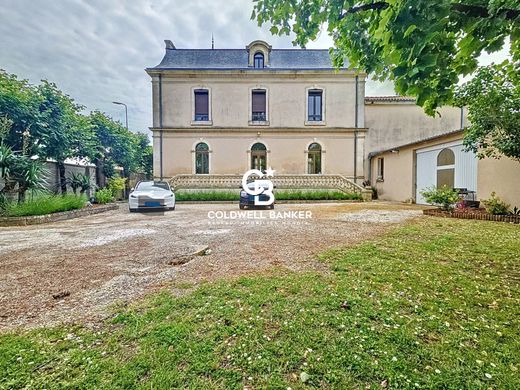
(258, 156)
(258, 60)
(446, 168)
(202, 158)
(314, 158)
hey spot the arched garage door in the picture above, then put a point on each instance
(445, 164)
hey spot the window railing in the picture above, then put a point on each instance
(202, 117)
(258, 117)
(315, 118)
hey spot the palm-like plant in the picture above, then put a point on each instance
(29, 174)
(74, 181)
(86, 184)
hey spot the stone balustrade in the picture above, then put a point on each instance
(296, 182)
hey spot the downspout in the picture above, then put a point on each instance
(356, 123)
(160, 129)
(462, 118)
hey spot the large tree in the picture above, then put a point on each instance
(493, 100)
(63, 128)
(424, 46)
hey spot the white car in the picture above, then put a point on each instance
(148, 195)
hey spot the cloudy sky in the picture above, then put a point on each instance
(96, 50)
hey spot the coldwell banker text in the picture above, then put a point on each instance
(260, 215)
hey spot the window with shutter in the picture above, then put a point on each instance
(315, 109)
(258, 105)
(201, 105)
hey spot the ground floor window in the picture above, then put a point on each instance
(380, 169)
(202, 158)
(446, 168)
(259, 156)
(314, 158)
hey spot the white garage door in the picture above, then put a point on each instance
(428, 170)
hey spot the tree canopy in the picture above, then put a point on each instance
(493, 100)
(45, 122)
(423, 46)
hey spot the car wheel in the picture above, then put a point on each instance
(242, 207)
(172, 208)
(133, 210)
(272, 207)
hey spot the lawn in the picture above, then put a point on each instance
(42, 204)
(434, 304)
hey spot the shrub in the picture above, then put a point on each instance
(495, 205)
(44, 204)
(279, 195)
(116, 184)
(104, 196)
(444, 197)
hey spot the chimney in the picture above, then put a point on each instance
(169, 44)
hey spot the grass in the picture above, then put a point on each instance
(434, 304)
(280, 195)
(44, 204)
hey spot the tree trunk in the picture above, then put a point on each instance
(21, 195)
(100, 177)
(63, 179)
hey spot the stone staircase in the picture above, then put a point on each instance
(292, 182)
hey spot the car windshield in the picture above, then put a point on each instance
(152, 186)
(251, 185)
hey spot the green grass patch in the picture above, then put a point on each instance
(432, 305)
(44, 204)
(279, 195)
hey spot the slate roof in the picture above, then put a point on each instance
(233, 59)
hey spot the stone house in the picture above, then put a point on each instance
(220, 112)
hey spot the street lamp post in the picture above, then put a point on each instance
(126, 111)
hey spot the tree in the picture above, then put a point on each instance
(63, 128)
(144, 154)
(493, 101)
(424, 46)
(19, 101)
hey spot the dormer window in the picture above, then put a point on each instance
(258, 54)
(259, 60)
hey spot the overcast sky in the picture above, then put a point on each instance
(96, 50)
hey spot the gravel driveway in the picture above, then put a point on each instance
(72, 270)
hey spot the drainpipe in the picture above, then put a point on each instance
(161, 129)
(461, 118)
(356, 123)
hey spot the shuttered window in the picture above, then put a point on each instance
(201, 105)
(259, 105)
(315, 106)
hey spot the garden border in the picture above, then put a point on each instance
(482, 217)
(54, 217)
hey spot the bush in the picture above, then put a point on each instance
(116, 184)
(279, 195)
(444, 197)
(495, 205)
(316, 195)
(44, 204)
(104, 196)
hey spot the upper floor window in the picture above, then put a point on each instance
(201, 105)
(258, 99)
(258, 60)
(315, 105)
